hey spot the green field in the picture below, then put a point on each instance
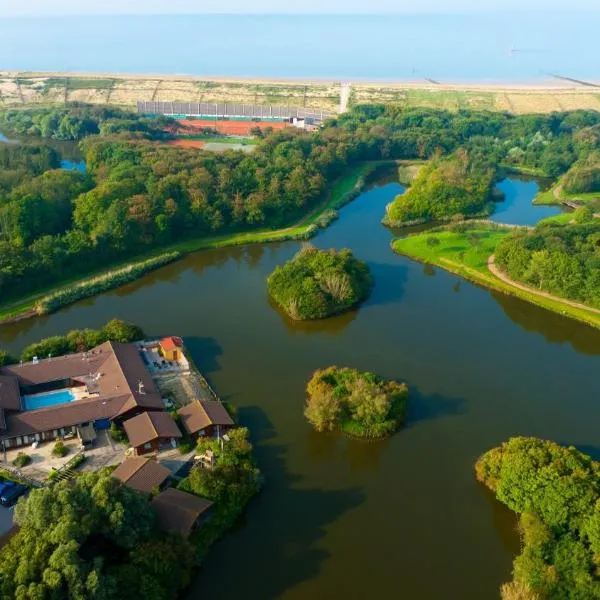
(466, 254)
(549, 196)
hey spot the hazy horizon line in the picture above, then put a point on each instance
(299, 13)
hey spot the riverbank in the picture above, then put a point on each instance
(343, 191)
(56, 88)
(467, 253)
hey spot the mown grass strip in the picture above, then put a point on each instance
(466, 253)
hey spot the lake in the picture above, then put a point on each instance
(523, 46)
(342, 518)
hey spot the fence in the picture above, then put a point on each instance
(217, 110)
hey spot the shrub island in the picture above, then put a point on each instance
(556, 491)
(359, 404)
(316, 284)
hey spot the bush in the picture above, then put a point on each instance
(117, 434)
(95, 285)
(79, 340)
(60, 449)
(6, 358)
(319, 283)
(360, 404)
(186, 446)
(22, 460)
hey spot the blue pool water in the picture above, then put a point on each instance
(36, 401)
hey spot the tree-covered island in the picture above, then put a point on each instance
(359, 404)
(458, 185)
(556, 492)
(316, 284)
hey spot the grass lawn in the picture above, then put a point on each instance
(548, 196)
(342, 191)
(467, 256)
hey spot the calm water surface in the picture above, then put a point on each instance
(474, 46)
(339, 518)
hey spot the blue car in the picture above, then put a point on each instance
(11, 494)
(5, 486)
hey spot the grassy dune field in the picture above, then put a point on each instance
(18, 89)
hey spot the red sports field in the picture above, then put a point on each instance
(229, 127)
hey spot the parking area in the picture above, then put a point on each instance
(104, 452)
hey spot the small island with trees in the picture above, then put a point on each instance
(359, 404)
(316, 284)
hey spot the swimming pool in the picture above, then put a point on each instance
(45, 399)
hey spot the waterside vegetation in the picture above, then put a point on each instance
(555, 490)
(359, 404)
(456, 186)
(465, 249)
(316, 284)
(139, 196)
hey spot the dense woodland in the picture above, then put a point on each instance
(95, 538)
(139, 194)
(360, 404)
(556, 492)
(457, 185)
(315, 284)
(562, 260)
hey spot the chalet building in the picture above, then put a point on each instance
(151, 432)
(170, 348)
(74, 395)
(142, 474)
(205, 418)
(180, 512)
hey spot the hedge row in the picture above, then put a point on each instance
(101, 283)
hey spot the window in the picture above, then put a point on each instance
(148, 446)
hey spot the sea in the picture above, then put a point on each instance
(485, 47)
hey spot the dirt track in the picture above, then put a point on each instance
(503, 277)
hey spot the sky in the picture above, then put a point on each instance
(30, 8)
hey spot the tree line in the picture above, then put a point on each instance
(138, 194)
(562, 260)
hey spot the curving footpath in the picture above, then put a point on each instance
(503, 277)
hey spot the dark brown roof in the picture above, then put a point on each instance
(202, 414)
(141, 474)
(64, 415)
(178, 511)
(112, 373)
(150, 426)
(10, 397)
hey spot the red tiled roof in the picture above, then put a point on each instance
(201, 414)
(178, 511)
(150, 426)
(141, 474)
(170, 343)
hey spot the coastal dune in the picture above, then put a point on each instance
(36, 88)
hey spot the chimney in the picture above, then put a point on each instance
(141, 387)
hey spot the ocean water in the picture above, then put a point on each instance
(478, 47)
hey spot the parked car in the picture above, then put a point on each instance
(11, 494)
(5, 486)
